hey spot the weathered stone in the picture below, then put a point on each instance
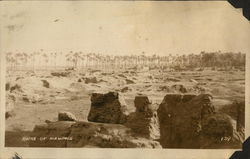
(60, 74)
(180, 88)
(142, 103)
(16, 87)
(79, 80)
(144, 122)
(9, 114)
(189, 121)
(90, 80)
(129, 81)
(45, 83)
(172, 79)
(26, 99)
(66, 116)
(164, 88)
(7, 86)
(218, 132)
(108, 108)
(51, 135)
(180, 118)
(18, 78)
(240, 115)
(218, 126)
(94, 71)
(236, 110)
(121, 75)
(88, 134)
(125, 89)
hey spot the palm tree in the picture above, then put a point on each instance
(55, 59)
(19, 59)
(24, 59)
(81, 56)
(46, 60)
(75, 59)
(88, 57)
(51, 59)
(9, 59)
(69, 58)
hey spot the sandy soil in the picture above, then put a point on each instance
(33, 102)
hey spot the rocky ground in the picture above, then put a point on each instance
(36, 98)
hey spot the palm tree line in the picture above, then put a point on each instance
(78, 59)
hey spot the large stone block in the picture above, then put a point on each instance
(51, 134)
(88, 134)
(218, 132)
(181, 117)
(108, 108)
(144, 122)
(66, 116)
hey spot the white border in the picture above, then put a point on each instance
(116, 153)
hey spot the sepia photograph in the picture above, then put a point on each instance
(124, 74)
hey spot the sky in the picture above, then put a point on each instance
(123, 27)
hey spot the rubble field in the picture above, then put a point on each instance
(125, 109)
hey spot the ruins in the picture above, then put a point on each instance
(180, 121)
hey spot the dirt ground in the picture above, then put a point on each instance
(31, 101)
